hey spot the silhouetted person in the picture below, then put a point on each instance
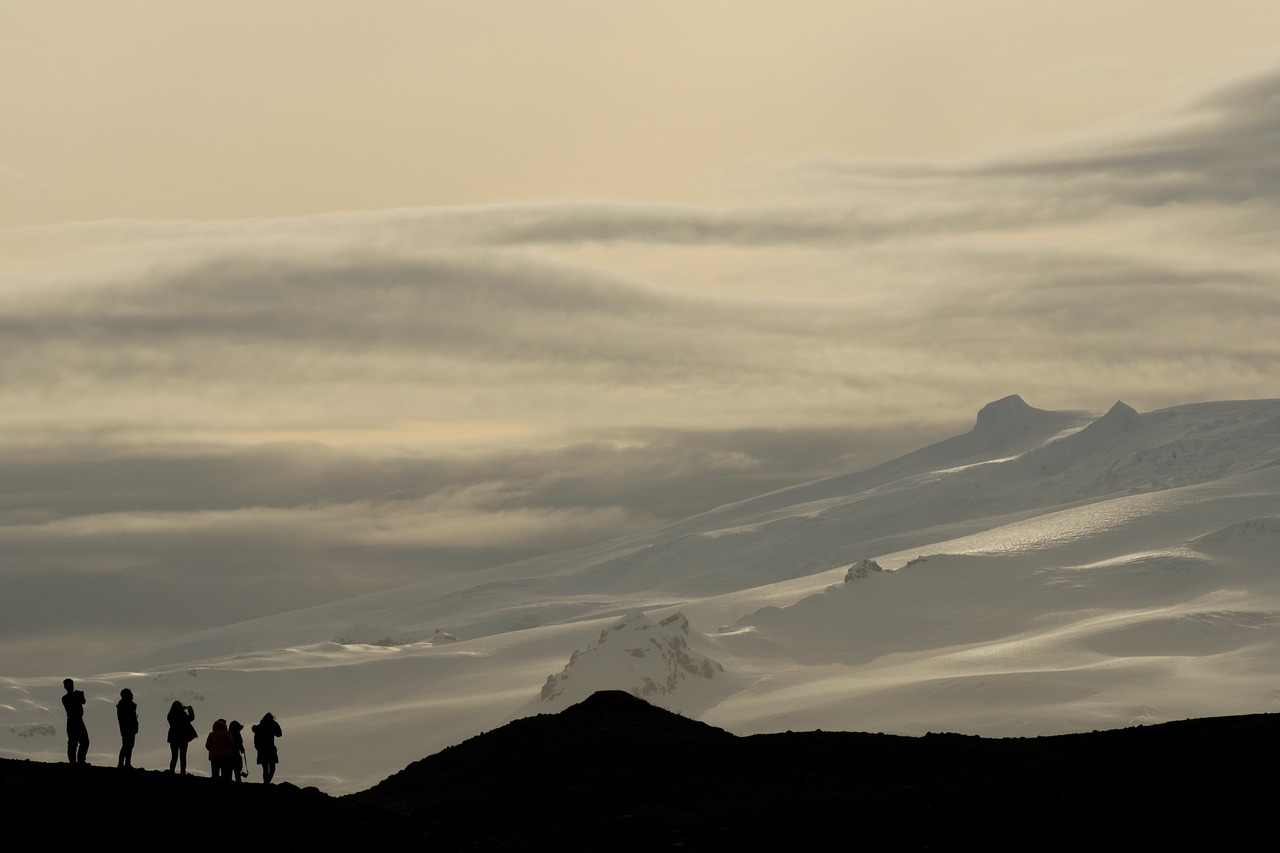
(127, 717)
(221, 749)
(181, 733)
(237, 760)
(264, 741)
(77, 734)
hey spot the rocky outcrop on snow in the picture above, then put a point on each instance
(861, 569)
(1008, 419)
(652, 660)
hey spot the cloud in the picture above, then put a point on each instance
(108, 546)
(301, 340)
(1222, 148)
(203, 422)
(1218, 148)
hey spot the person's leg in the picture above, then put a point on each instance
(182, 756)
(268, 773)
(173, 756)
(83, 751)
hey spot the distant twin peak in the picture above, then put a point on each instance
(1010, 414)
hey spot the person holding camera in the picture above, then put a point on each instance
(77, 734)
(181, 732)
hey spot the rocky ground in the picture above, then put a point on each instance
(614, 773)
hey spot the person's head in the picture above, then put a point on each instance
(219, 725)
(266, 718)
(176, 706)
(69, 684)
(126, 693)
(235, 726)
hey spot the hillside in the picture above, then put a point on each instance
(614, 773)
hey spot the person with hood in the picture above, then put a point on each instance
(127, 717)
(181, 732)
(237, 760)
(264, 741)
(221, 749)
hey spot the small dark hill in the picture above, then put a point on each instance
(612, 765)
(611, 739)
(616, 774)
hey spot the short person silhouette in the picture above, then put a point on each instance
(222, 750)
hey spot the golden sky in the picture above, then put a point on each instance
(231, 109)
(300, 300)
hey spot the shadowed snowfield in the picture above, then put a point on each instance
(1047, 572)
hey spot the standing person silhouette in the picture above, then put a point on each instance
(264, 741)
(222, 750)
(127, 717)
(181, 733)
(237, 761)
(77, 734)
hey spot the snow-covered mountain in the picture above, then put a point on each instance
(1044, 572)
(657, 661)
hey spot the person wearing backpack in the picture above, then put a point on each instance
(182, 731)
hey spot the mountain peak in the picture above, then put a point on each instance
(651, 660)
(1122, 412)
(1006, 417)
(1121, 417)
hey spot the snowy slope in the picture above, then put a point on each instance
(1046, 572)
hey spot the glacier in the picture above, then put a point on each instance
(1045, 572)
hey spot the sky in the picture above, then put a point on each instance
(303, 300)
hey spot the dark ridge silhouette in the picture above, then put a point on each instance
(616, 774)
(82, 807)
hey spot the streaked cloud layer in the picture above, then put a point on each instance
(207, 420)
